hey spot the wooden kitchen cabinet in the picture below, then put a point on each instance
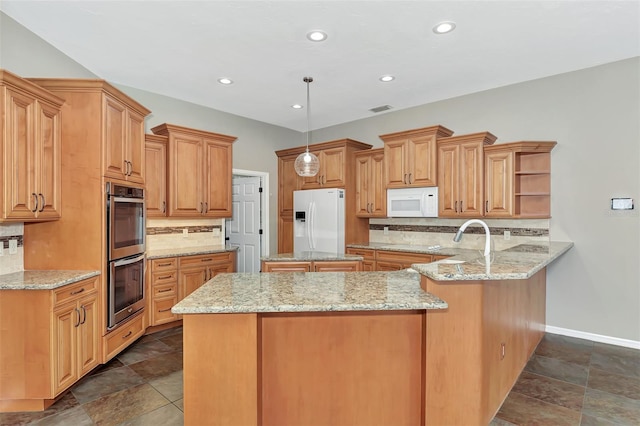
(337, 170)
(30, 141)
(194, 271)
(124, 147)
(163, 291)
(313, 266)
(156, 175)
(461, 174)
(332, 169)
(410, 157)
(518, 179)
(371, 193)
(286, 266)
(52, 339)
(368, 258)
(199, 173)
(387, 260)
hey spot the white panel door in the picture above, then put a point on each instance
(244, 229)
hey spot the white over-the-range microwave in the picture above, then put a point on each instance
(412, 202)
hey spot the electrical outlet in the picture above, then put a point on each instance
(13, 246)
(507, 235)
(386, 230)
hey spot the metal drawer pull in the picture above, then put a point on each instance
(42, 203)
(77, 322)
(164, 207)
(35, 196)
(206, 260)
(164, 264)
(164, 310)
(77, 291)
(128, 334)
(84, 315)
(165, 290)
(164, 277)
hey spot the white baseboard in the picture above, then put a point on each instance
(634, 344)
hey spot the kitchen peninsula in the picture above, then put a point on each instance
(436, 347)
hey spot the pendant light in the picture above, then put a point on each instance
(307, 164)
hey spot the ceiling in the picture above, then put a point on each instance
(180, 49)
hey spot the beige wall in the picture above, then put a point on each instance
(593, 114)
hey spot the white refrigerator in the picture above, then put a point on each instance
(318, 220)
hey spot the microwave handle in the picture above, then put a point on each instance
(123, 262)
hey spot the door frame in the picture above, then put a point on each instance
(264, 205)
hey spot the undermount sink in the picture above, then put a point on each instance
(450, 261)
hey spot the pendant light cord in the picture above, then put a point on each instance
(308, 80)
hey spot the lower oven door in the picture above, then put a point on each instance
(126, 288)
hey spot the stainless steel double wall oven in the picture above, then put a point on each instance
(126, 248)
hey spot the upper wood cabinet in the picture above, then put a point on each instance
(371, 194)
(156, 175)
(288, 181)
(518, 179)
(410, 157)
(332, 169)
(199, 173)
(460, 174)
(30, 140)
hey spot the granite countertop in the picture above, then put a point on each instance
(309, 292)
(519, 262)
(42, 280)
(187, 251)
(309, 256)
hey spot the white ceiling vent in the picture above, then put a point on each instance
(381, 108)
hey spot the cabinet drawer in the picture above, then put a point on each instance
(162, 290)
(123, 336)
(367, 254)
(159, 278)
(79, 289)
(161, 310)
(167, 264)
(403, 257)
(205, 259)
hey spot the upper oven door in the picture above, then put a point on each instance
(126, 226)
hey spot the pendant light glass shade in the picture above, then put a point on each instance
(307, 164)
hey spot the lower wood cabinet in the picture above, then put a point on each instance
(123, 336)
(54, 340)
(313, 266)
(387, 260)
(368, 258)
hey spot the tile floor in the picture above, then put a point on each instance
(568, 381)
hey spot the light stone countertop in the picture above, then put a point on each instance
(519, 262)
(309, 256)
(309, 292)
(42, 280)
(187, 251)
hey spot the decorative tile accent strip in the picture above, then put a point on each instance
(179, 230)
(516, 232)
(5, 240)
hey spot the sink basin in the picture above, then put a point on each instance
(450, 261)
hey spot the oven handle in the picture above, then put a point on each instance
(128, 261)
(126, 199)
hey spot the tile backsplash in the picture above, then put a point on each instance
(165, 233)
(440, 231)
(11, 262)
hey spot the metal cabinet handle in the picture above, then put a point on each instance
(164, 207)
(456, 207)
(42, 203)
(486, 208)
(164, 310)
(206, 207)
(35, 197)
(201, 207)
(84, 314)
(165, 290)
(164, 264)
(127, 335)
(324, 179)
(78, 321)
(208, 259)
(77, 291)
(164, 277)
(461, 206)
(410, 182)
(404, 179)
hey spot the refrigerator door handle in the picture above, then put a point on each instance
(312, 216)
(309, 224)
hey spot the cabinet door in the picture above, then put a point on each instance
(377, 186)
(285, 234)
(185, 176)
(47, 176)
(191, 279)
(288, 181)
(332, 166)
(89, 336)
(217, 179)
(338, 266)
(448, 176)
(363, 179)
(135, 148)
(156, 179)
(20, 200)
(471, 183)
(382, 265)
(369, 266)
(498, 172)
(161, 309)
(65, 362)
(286, 267)
(314, 182)
(395, 154)
(115, 139)
(422, 161)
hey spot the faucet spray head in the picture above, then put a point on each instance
(458, 236)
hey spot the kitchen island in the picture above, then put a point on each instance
(442, 346)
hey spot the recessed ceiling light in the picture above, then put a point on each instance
(297, 106)
(444, 27)
(225, 81)
(387, 78)
(317, 35)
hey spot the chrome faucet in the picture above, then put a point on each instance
(487, 246)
